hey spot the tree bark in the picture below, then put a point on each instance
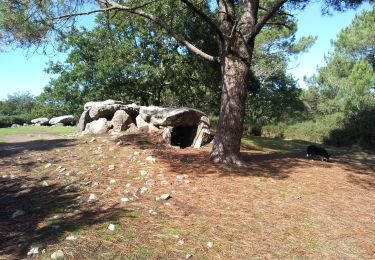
(227, 141)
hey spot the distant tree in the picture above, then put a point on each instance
(18, 103)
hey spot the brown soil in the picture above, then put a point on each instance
(282, 206)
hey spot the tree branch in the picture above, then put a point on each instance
(205, 17)
(268, 15)
(67, 16)
(167, 28)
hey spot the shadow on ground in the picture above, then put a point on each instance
(11, 149)
(196, 161)
(50, 212)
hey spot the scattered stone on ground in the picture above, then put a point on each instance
(71, 238)
(144, 173)
(210, 244)
(18, 213)
(151, 159)
(112, 181)
(45, 184)
(111, 227)
(142, 190)
(48, 165)
(34, 250)
(181, 242)
(151, 182)
(57, 255)
(125, 199)
(152, 212)
(111, 167)
(165, 196)
(92, 198)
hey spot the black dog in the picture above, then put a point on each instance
(313, 150)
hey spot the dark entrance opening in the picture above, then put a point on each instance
(183, 136)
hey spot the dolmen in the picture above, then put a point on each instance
(183, 127)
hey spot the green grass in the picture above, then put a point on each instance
(59, 130)
(275, 144)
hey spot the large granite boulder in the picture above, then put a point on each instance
(105, 109)
(147, 112)
(84, 120)
(99, 126)
(40, 121)
(176, 117)
(62, 120)
(121, 120)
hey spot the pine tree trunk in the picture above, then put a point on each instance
(227, 142)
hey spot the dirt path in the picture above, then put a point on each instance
(282, 206)
(29, 137)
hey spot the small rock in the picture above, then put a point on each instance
(151, 159)
(152, 212)
(128, 185)
(164, 182)
(17, 213)
(165, 196)
(144, 173)
(151, 182)
(143, 190)
(59, 254)
(210, 244)
(111, 167)
(92, 198)
(112, 181)
(136, 153)
(34, 250)
(125, 199)
(48, 165)
(92, 140)
(119, 143)
(62, 170)
(71, 238)
(188, 256)
(111, 227)
(45, 184)
(181, 242)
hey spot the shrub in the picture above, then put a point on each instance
(7, 121)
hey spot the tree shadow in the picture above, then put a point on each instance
(196, 162)
(49, 212)
(11, 149)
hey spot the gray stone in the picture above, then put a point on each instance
(167, 135)
(103, 109)
(18, 213)
(65, 120)
(121, 120)
(58, 255)
(165, 196)
(92, 198)
(151, 182)
(15, 125)
(147, 112)
(99, 126)
(83, 121)
(34, 250)
(177, 117)
(203, 135)
(41, 121)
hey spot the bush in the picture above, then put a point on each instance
(7, 121)
(358, 128)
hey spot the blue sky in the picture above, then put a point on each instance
(24, 72)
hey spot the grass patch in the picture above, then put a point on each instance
(275, 144)
(59, 130)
